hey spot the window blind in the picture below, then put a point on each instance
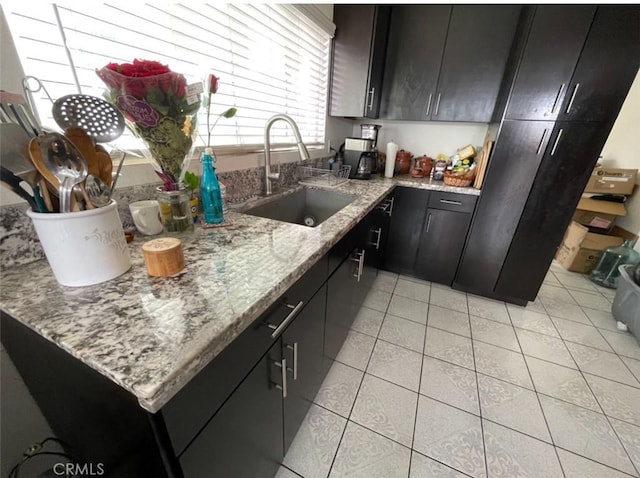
(269, 58)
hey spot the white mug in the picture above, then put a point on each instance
(146, 217)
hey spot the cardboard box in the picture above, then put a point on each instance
(598, 216)
(612, 181)
(581, 250)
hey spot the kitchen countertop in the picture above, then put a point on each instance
(152, 335)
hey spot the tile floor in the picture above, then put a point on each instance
(433, 382)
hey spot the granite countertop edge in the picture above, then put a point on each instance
(155, 385)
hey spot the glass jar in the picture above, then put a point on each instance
(175, 209)
(606, 273)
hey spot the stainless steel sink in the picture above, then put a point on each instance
(308, 207)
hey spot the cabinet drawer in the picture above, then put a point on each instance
(196, 403)
(452, 201)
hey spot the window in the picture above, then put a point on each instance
(269, 58)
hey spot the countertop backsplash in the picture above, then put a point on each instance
(19, 243)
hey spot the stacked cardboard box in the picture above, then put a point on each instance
(593, 227)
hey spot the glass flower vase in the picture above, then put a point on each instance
(175, 209)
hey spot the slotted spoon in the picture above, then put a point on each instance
(101, 120)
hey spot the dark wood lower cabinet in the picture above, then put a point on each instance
(244, 438)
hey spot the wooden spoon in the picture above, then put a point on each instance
(106, 164)
(86, 146)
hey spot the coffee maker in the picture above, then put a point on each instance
(359, 153)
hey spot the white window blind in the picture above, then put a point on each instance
(269, 58)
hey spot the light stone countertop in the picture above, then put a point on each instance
(152, 335)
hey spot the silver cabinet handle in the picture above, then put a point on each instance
(390, 212)
(555, 103)
(372, 92)
(555, 145)
(435, 113)
(278, 329)
(387, 207)
(544, 135)
(573, 97)
(429, 104)
(283, 367)
(360, 261)
(379, 233)
(428, 223)
(449, 201)
(294, 347)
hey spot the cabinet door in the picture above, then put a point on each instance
(512, 168)
(473, 64)
(607, 66)
(302, 344)
(416, 41)
(553, 47)
(358, 59)
(409, 208)
(244, 438)
(441, 245)
(558, 186)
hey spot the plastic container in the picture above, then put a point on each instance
(626, 304)
(606, 273)
(85, 247)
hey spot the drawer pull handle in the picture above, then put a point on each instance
(544, 135)
(294, 347)
(555, 103)
(429, 104)
(283, 367)
(573, 97)
(278, 329)
(360, 261)
(449, 201)
(555, 145)
(435, 113)
(377, 243)
(428, 223)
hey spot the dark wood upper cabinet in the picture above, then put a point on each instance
(555, 40)
(612, 47)
(417, 36)
(358, 59)
(473, 64)
(439, 68)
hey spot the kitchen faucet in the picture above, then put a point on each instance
(302, 149)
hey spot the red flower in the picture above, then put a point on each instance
(213, 84)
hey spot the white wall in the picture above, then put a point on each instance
(622, 150)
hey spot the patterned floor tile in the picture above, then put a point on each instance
(545, 347)
(575, 281)
(356, 350)
(449, 384)
(581, 334)
(413, 290)
(365, 454)
(585, 433)
(592, 300)
(425, 467)
(576, 466)
(339, 388)
(403, 332)
(377, 299)
(564, 310)
(502, 364)
(512, 406)
(511, 454)
(633, 365)
(601, 319)
(601, 363)
(449, 347)
(449, 299)
(553, 294)
(533, 321)
(409, 309)
(488, 309)
(449, 320)
(622, 344)
(551, 279)
(385, 281)
(561, 383)
(368, 321)
(494, 333)
(450, 436)
(286, 473)
(630, 437)
(386, 408)
(396, 364)
(315, 445)
(617, 400)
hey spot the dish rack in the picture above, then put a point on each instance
(322, 173)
